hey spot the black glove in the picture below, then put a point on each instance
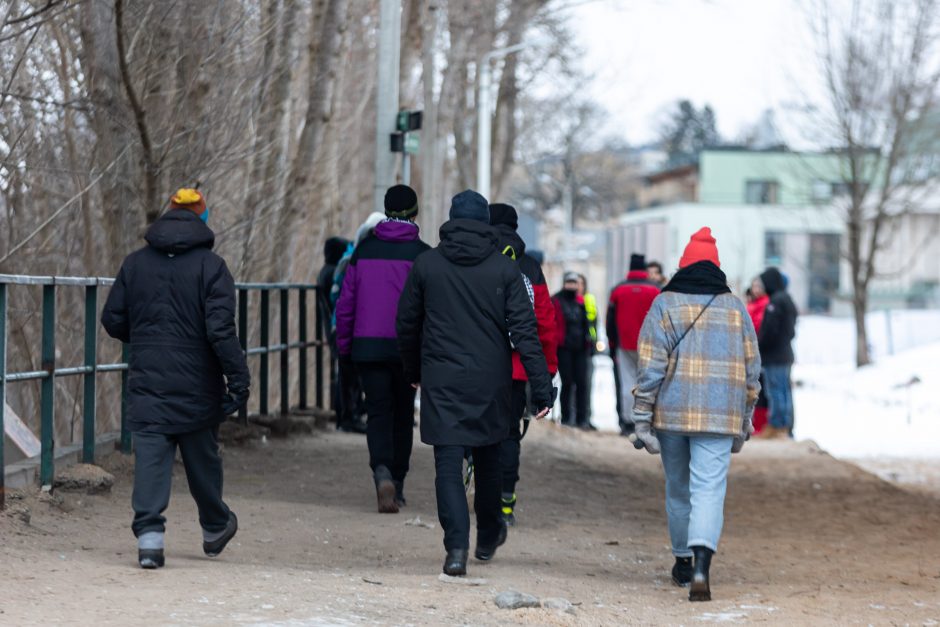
(234, 400)
(536, 406)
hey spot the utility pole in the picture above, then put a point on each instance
(485, 117)
(387, 97)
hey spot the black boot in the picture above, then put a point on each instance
(385, 490)
(455, 564)
(682, 571)
(486, 553)
(700, 591)
(400, 494)
(212, 549)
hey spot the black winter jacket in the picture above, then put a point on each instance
(461, 302)
(779, 325)
(174, 302)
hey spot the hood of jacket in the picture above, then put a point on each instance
(508, 237)
(773, 281)
(179, 231)
(467, 242)
(396, 231)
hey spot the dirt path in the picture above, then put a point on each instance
(807, 540)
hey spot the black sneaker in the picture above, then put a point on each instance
(486, 553)
(508, 511)
(215, 547)
(150, 558)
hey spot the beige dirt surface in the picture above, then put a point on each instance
(808, 540)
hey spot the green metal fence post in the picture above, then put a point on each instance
(126, 444)
(302, 358)
(91, 359)
(318, 334)
(47, 395)
(266, 345)
(3, 386)
(243, 338)
(285, 354)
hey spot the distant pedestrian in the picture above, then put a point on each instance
(629, 303)
(757, 301)
(777, 330)
(464, 308)
(590, 308)
(349, 416)
(365, 334)
(333, 251)
(697, 385)
(173, 302)
(656, 275)
(574, 340)
(505, 221)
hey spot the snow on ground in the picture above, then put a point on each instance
(886, 410)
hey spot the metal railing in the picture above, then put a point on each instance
(90, 369)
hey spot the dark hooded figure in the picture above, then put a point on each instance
(777, 330)
(333, 251)
(462, 305)
(174, 302)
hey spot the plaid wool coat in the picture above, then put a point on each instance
(708, 382)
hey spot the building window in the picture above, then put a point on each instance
(761, 192)
(823, 191)
(773, 248)
(823, 271)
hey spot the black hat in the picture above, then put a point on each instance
(401, 202)
(637, 262)
(501, 213)
(469, 205)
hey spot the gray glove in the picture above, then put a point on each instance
(643, 435)
(747, 429)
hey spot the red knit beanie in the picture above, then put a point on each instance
(700, 248)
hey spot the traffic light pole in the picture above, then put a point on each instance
(387, 101)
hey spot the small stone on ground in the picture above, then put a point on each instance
(512, 600)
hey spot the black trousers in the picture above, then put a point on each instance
(153, 478)
(452, 509)
(390, 405)
(572, 366)
(617, 386)
(509, 449)
(350, 402)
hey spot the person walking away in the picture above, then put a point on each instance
(333, 251)
(629, 303)
(655, 271)
(173, 302)
(696, 389)
(462, 305)
(349, 416)
(365, 334)
(573, 341)
(777, 330)
(590, 308)
(757, 301)
(505, 221)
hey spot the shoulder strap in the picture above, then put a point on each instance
(707, 305)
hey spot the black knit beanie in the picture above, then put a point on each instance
(637, 263)
(501, 213)
(401, 202)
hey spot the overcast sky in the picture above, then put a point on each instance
(740, 56)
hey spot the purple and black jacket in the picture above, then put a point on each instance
(368, 301)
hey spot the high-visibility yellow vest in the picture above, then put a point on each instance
(590, 305)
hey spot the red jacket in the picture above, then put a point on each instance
(756, 309)
(630, 301)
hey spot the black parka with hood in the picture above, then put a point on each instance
(461, 304)
(174, 302)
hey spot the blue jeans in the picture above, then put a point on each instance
(696, 468)
(779, 396)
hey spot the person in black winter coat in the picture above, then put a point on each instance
(462, 305)
(574, 341)
(775, 338)
(333, 251)
(173, 302)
